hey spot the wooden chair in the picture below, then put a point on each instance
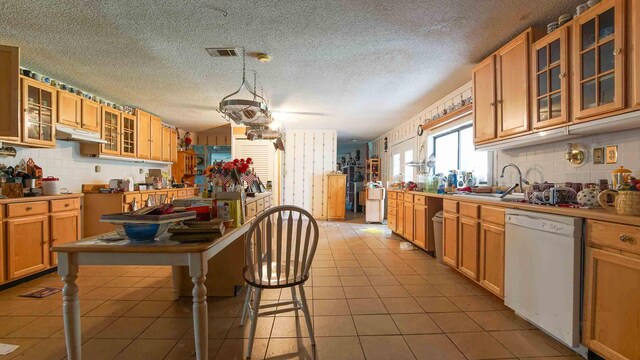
(279, 249)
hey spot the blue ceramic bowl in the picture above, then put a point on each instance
(142, 232)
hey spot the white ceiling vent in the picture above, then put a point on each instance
(222, 52)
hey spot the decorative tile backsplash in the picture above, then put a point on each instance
(546, 162)
(66, 163)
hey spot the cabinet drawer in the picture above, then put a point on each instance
(492, 215)
(393, 203)
(393, 195)
(420, 199)
(617, 236)
(260, 205)
(27, 209)
(392, 211)
(64, 205)
(408, 197)
(469, 210)
(252, 210)
(182, 194)
(129, 198)
(450, 206)
(391, 223)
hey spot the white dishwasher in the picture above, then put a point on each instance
(543, 261)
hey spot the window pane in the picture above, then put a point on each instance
(543, 109)
(556, 105)
(470, 159)
(542, 83)
(555, 78)
(446, 149)
(606, 22)
(588, 34)
(588, 64)
(408, 170)
(396, 164)
(607, 59)
(589, 94)
(542, 58)
(554, 51)
(607, 89)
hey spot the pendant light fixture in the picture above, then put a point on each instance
(252, 110)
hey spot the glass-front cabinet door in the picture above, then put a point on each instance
(599, 60)
(551, 80)
(128, 135)
(39, 113)
(111, 130)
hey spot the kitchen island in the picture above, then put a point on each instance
(96, 251)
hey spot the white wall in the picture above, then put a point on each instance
(407, 131)
(66, 163)
(309, 156)
(546, 162)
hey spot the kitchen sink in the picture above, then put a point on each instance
(495, 197)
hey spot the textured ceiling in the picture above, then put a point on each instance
(358, 66)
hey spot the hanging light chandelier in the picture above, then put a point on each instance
(253, 110)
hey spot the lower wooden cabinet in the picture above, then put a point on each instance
(400, 219)
(468, 245)
(450, 239)
(336, 196)
(611, 314)
(65, 228)
(27, 245)
(473, 243)
(492, 258)
(408, 221)
(420, 225)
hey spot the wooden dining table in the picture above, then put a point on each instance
(103, 250)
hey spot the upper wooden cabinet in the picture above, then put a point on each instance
(155, 137)
(501, 91)
(69, 109)
(39, 113)
(91, 115)
(173, 145)
(550, 90)
(128, 135)
(111, 131)
(214, 139)
(10, 93)
(166, 144)
(143, 134)
(598, 57)
(484, 94)
(512, 80)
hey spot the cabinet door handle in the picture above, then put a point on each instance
(626, 238)
(617, 51)
(29, 208)
(499, 101)
(491, 104)
(66, 205)
(562, 75)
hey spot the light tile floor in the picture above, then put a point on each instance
(369, 299)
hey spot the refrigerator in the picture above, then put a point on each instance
(374, 209)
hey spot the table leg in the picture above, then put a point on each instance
(198, 272)
(68, 270)
(176, 271)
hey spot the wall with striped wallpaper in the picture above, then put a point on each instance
(309, 156)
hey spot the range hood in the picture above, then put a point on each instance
(64, 132)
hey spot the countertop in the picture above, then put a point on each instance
(40, 198)
(594, 214)
(142, 191)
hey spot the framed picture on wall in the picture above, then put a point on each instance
(598, 155)
(611, 154)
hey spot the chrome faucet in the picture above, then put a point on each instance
(521, 180)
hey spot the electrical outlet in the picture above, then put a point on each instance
(141, 171)
(98, 168)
